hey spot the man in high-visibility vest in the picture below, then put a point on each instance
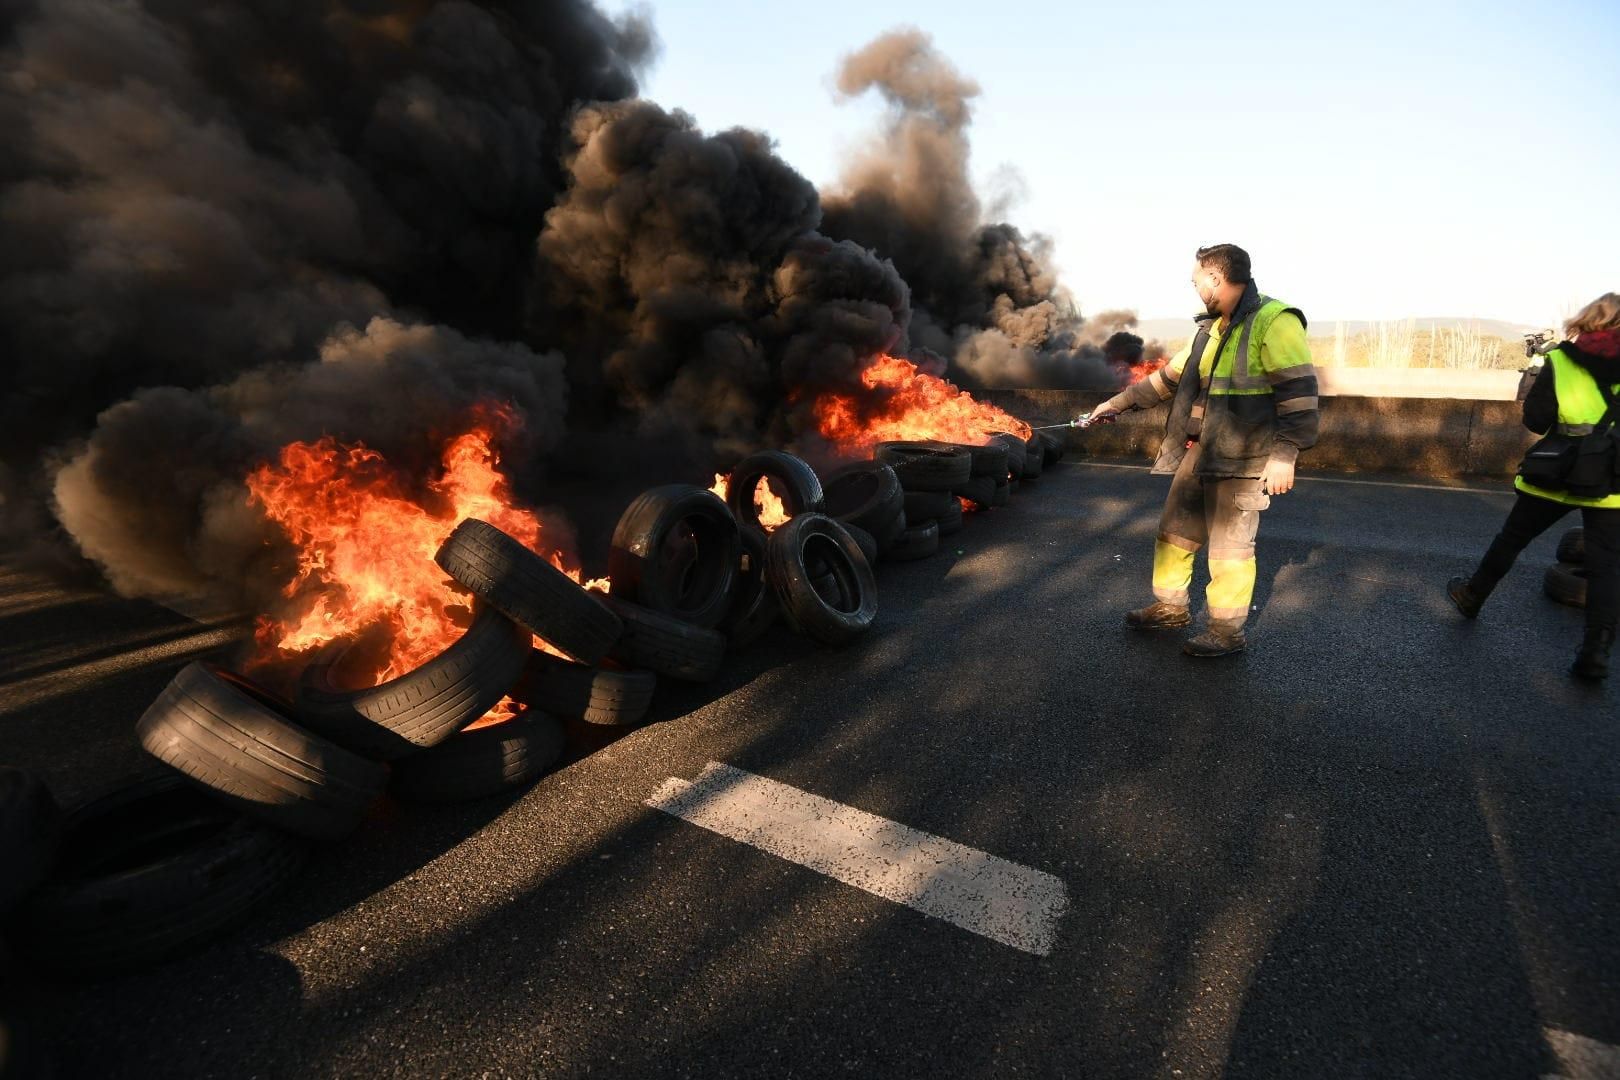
(1243, 405)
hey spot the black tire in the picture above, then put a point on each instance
(1034, 459)
(1017, 449)
(796, 484)
(928, 505)
(1002, 494)
(150, 871)
(1013, 485)
(980, 490)
(891, 535)
(1572, 546)
(866, 494)
(238, 741)
(863, 540)
(989, 460)
(1052, 447)
(607, 696)
(30, 830)
(484, 760)
(422, 708)
(838, 612)
(675, 550)
(753, 608)
(951, 521)
(926, 466)
(656, 642)
(1566, 583)
(528, 590)
(918, 542)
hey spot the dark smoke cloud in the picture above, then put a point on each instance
(684, 278)
(983, 294)
(198, 196)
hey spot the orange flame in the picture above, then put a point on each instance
(909, 406)
(768, 505)
(365, 544)
(1142, 369)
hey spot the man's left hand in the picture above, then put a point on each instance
(1277, 477)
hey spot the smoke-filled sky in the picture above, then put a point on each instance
(1379, 160)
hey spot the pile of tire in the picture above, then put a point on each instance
(1565, 579)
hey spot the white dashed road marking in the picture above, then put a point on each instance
(1000, 900)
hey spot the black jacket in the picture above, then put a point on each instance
(1541, 404)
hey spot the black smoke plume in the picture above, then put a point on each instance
(983, 294)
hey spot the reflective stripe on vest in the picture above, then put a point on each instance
(1238, 370)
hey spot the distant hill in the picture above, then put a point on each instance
(1181, 329)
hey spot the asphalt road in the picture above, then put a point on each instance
(1385, 842)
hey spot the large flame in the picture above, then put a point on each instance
(907, 405)
(1142, 369)
(365, 545)
(768, 505)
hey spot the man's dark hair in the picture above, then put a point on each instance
(1231, 260)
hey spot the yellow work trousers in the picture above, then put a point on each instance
(1222, 515)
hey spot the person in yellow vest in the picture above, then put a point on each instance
(1574, 402)
(1243, 404)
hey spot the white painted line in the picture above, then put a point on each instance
(1580, 1058)
(990, 896)
(1506, 489)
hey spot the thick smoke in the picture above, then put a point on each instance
(684, 278)
(198, 200)
(983, 294)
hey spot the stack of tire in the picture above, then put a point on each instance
(815, 570)
(1565, 580)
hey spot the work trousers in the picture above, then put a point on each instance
(1530, 517)
(1222, 515)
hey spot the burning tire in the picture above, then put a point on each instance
(988, 460)
(484, 760)
(30, 829)
(1034, 459)
(926, 466)
(239, 741)
(865, 541)
(668, 646)
(528, 590)
(866, 494)
(1572, 546)
(1017, 449)
(406, 715)
(595, 695)
(841, 608)
(917, 542)
(753, 605)
(1566, 583)
(980, 490)
(951, 521)
(797, 484)
(149, 871)
(675, 550)
(927, 505)
(1052, 447)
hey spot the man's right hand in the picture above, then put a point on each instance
(1102, 414)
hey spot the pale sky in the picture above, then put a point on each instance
(1378, 160)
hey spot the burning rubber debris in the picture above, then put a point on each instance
(358, 318)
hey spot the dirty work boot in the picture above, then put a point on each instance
(1462, 593)
(1220, 638)
(1158, 616)
(1592, 662)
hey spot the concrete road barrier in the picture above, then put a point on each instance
(1420, 435)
